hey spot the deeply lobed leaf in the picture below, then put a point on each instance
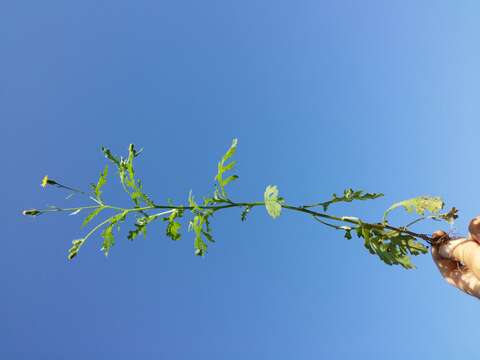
(349, 195)
(419, 205)
(97, 189)
(222, 168)
(392, 247)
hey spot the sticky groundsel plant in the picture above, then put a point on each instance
(394, 245)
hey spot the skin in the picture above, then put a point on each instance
(459, 259)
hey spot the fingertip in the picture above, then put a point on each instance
(474, 228)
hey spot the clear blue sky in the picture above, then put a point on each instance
(377, 95)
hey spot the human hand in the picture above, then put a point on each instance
(459, 259)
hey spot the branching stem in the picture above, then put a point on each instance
(214, 208)
(392, 244)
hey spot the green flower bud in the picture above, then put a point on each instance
(31, 212)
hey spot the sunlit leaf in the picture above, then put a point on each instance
(222, 168)
(92, 215)
(349, 195)
(450, 216)
(419, 205)
(272, 201)
(173, 227)
(140, 227)
(100, 183)
(197, 225)
(108, 239)
(108, 154)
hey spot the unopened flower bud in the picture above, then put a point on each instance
(31, 212)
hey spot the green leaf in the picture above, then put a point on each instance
(419, 205)
(108, 154)
(108, 239)
(228, 180)
(140, 227)
(132, 154)
(126, 171)
(197, 225)
(138, 195)
(450, 216)
(119, 163)
(192, 203)
(173, 227)
(208, 236)
(200, 247)
(414, 247)
(348, 234)
(92, 215)
(120, 217)
(273, 203)
(349, 195)
(222, 168)
(392, 247)
(245, 212)
(101, 181)
(76, 245)
(173, 230)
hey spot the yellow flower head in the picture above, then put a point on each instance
(45, 181)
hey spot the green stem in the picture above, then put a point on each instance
(91, 232)
(302, 209)
(352, 220)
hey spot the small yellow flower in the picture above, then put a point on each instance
(45, 181)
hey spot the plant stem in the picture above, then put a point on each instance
(302, 209)
(359, 222)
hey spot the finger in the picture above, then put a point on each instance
(474, 229)
(447, 250)
(466, 281)
(468, 253)
(445, 266)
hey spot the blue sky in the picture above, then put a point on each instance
(375, 95)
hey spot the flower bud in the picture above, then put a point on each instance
(31, 212)
(46, 181)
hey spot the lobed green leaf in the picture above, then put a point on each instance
(108, 239)
(173, 227)
(140, 227)
(197, 225)
(349, 195)
(108, 154)
(450, 216)
(222, 168)
(100, 183)
(419, 205)
(392, 247)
